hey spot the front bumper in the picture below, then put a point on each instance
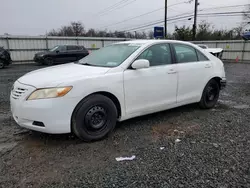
(43, 115)
(38, 59)
(223, 83)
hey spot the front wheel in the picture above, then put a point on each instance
(1, 64)
(210, 95)
(94, 118)
(49, 61)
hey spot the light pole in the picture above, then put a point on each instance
(195, 18)
(165, 18)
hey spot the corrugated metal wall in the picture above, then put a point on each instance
(23, 48)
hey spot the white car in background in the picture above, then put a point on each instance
(218, 52)
(115, 83)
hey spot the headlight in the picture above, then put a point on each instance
(49, 93)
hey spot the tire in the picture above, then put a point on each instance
(210, 95)
(94, 118)
(1, 64)
(49, 61)
(40, 63)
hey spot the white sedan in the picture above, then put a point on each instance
(118, 82)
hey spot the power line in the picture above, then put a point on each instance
(150, 26)
(117, 7)
(144, 14)
(132, 18)
(155, 10)
(112, 6)
(171, 22)
(187, 16)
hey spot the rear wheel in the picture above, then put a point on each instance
(1, 64)
(94, 118)
(210, 95)
(49, 61)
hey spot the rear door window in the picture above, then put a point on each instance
(185, 53)
(72, 48)
(201, 56)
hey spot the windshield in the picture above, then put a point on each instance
(58, 48)
(110, 56)
(54, 49)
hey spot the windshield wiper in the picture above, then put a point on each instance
(88, 64)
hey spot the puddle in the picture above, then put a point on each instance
(243, 106)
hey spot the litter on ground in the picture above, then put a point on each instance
(177, 140)
(125, 158)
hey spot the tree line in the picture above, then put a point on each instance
(205, 31)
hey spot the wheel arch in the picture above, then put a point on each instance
(106, 94)
(216, 78)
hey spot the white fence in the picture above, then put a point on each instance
(23, 48)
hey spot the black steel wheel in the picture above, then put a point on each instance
(1, 64)
(49, 61)
(94, 118)
(210, 95)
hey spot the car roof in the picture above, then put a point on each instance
(154, 41)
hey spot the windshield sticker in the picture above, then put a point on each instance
(111, 63)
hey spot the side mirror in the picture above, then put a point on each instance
(57, 51)
(140, 64)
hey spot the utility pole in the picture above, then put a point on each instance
(195, 18)
(165, 18)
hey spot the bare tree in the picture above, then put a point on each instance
(77, 28)
(247, 13)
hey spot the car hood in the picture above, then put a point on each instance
(41, 53)
(54, 76)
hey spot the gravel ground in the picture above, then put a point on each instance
(183, 147)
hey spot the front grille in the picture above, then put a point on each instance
(18, 92)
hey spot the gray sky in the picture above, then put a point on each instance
(35, 17)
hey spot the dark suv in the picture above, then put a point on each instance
(61, 54)
(5, 58)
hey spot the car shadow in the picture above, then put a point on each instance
(67, 139)
(171, 113)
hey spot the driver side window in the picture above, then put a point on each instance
(158, 54)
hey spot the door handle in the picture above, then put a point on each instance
(207, 66)
(171, 71)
